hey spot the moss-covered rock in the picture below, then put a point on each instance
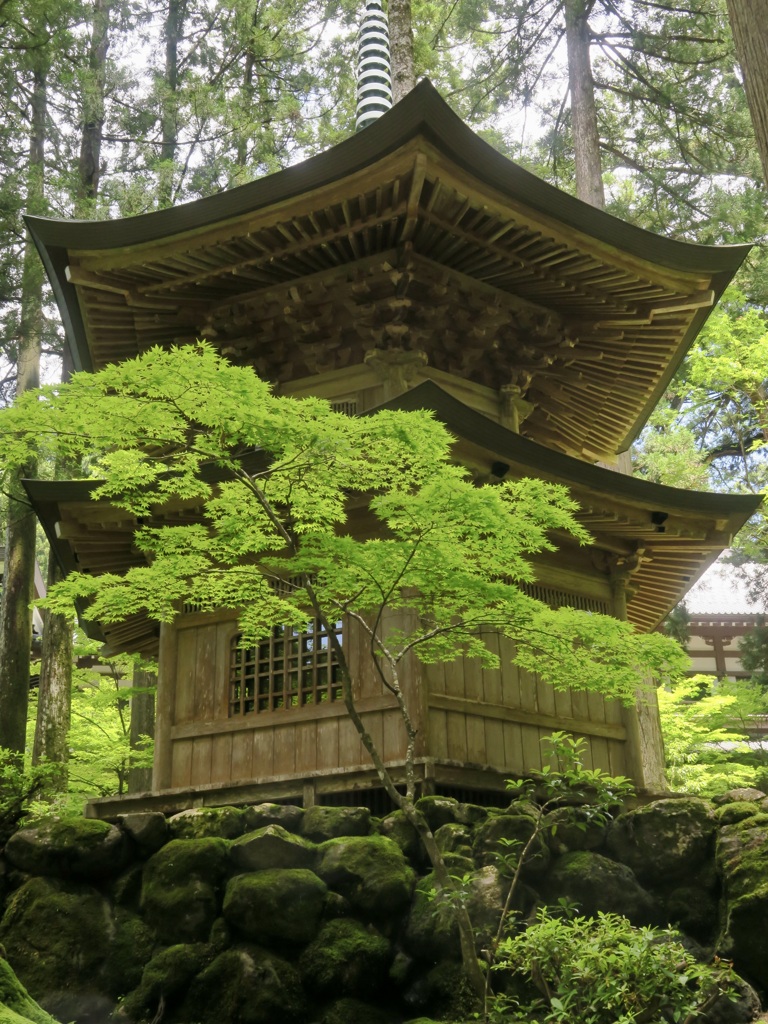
(346, 958)
(445, 991)
(431, 931)
(72, 848)
(261, 815)
(742, 859)
(56, 935)
(454, 838)
(248, 985)
(130, 950)
(666, 840)
(147, 829)
(729, 813)
(181, 888)
(322, 823)
(16, 1002)
(354, 1011)
(732, 796)
(438, 810)
(208, 822)
(272, 847)
(165, 980)
(693, 910)
(573, 828)
(492, 836)
(395, 826)
(370, 872)
(281, 904)
(595, 883)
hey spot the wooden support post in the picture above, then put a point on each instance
(645, 746)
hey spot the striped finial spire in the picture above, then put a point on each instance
(374, 82)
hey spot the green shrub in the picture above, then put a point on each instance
(604, 970)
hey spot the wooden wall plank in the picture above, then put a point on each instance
(351, 750)
(165, 708)
(205, 673)
(600, 756)
(530, 744)
(395, 739)
(263, 763)
(202, 753)
(181, 769)
(438, 732)
(242, 757)
(285, 750)
(186, 671)
(456, 726)
(221, 758)
(475, 726)
(494, 743)
(513, 748)
(328, 743)
(306, 747)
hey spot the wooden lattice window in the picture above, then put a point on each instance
(293, 668)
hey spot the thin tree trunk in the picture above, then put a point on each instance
(54, 700)
(142, 724)
(55, 695)
(174, 23)
(19, 569)
(89, 163)
(586, 140)
(401, 48)
(749, 24)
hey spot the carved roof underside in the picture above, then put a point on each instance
(657, 539)
(413, 235)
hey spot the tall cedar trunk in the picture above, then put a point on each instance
(749, 24)
(586, 140)
(18, 577)
(401, 48)
(54, 701)
(241, 171)
(142, 724)
(89, 164)
(174, 23)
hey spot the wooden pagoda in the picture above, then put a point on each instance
(415, 267)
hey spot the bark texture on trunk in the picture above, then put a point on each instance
(89, 163)
(401, 48)
(55, 696)
(19, 566)
(586, 139)
(142, 724)
(749, 24)
(174, 24)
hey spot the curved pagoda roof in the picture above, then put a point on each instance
(412, 234)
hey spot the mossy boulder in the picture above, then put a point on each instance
(260, 815)
(165, 980)
(147, 829)
(322, 823)
(57, 935)
(454, 838)
(248, 985)
(181, 888)
(748, 793)
(694, 911)
(596, 883)
(438, 810)
(354, 1011)
(445, 991)
(395, 826)
(742, 859)
(431, 931)
(272, 847)
(573, 828)
(130, 949)
(16, 1004)
(665, 840)
(493, 836)
(368, 871)
(72, 848)
(729, 813)
(208, 822)
(281, 904)
(348, 958)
